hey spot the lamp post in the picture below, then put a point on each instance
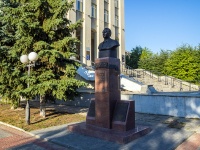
(30, 61)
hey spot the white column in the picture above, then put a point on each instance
(86, 42)
(112, 17)
(100, 23)
(121, 29)
(71, 15)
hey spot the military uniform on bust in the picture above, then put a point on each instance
(108, 48)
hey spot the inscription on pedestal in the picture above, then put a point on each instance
(120, 112)
(101, 76)
(101, 80)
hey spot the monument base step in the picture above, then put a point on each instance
(109, 134)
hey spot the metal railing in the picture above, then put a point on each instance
(172, 82)
(137, 74)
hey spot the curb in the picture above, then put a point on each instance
(17, 128)
(31, 134)
(38, 136)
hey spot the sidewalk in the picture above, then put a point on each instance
(12, 138)
(164, 135)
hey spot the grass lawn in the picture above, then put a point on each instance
(55, 115)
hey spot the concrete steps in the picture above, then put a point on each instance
(161, 83)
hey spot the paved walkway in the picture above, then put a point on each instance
(167, 133)
(15, 139)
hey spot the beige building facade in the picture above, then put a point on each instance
(97, 15)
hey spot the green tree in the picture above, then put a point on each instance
(7, 40)
(153, 62)
(159, 60)
(40, 26)
(146, 61)
(183, 63)
(134, 56)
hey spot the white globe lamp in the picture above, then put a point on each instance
(24, 59)
(32, 56)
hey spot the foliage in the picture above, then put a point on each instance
(184, 63)
(40, 26)
(134, 56)
(153, 62)
(159, 60)
(145, 61)
(7, 40)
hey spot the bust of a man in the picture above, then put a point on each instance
(108, 48)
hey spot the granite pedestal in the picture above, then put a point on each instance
(109, 117)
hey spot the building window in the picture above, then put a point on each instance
(79, 5)
(105, 16)
(116, 21)
(94, 11)
(116, 3)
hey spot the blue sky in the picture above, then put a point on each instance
(161, 24)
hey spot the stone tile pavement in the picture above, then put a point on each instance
(167, 133)
(192, 143)
(12, 138)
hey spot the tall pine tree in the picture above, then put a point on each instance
(40, 26)
(7, 40)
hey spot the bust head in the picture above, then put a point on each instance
(106, 33)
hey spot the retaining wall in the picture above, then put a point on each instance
(178, 105)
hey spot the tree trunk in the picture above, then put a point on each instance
(42, 106)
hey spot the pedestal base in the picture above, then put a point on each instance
(121, 137)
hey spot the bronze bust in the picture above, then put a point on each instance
(108, 48)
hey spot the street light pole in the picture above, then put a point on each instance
(30, 59)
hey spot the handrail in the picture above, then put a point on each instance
(136, 73)
(168, 80)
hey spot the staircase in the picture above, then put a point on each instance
(141, 77)
(160, 83)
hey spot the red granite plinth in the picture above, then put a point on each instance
(107, 90)
(124, 116)
(120, 137)
(109, 117)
